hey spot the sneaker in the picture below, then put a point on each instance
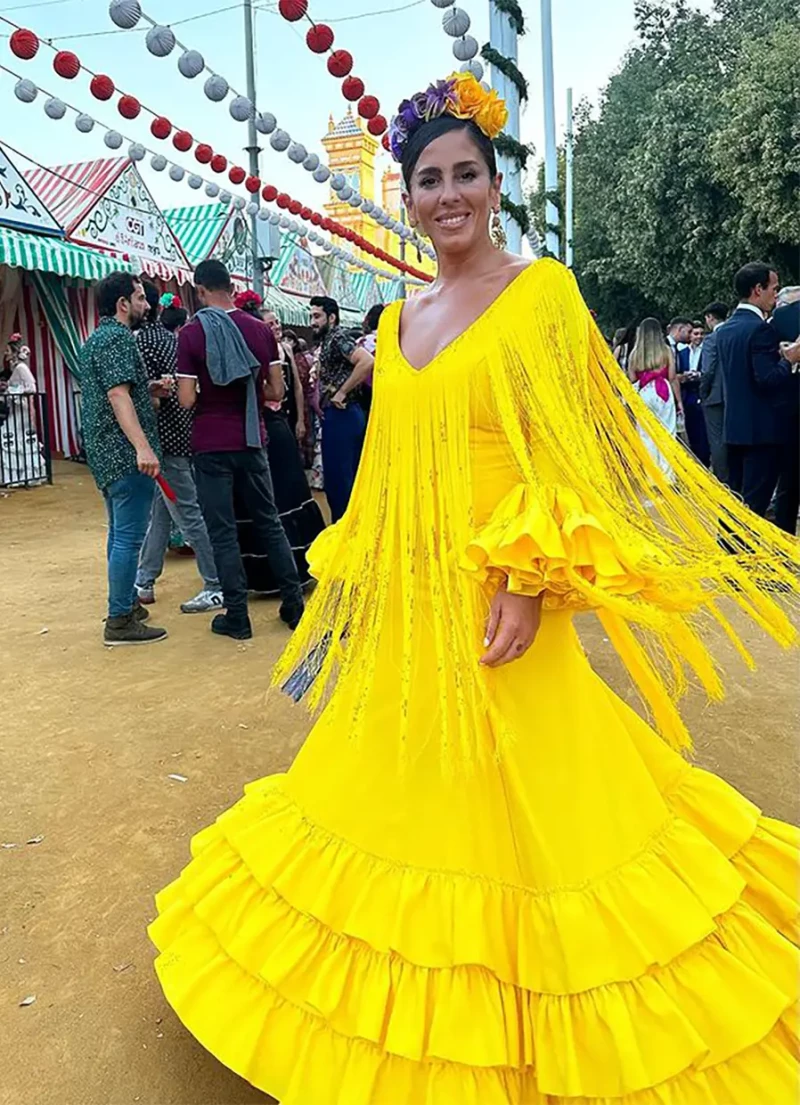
(225, 626)
(129, 630)
(292, 613)
(202, 603)
(141, 613)
(147, 594)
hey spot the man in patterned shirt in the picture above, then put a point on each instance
(121, 441)
(343, 369)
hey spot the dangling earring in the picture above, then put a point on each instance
(497, 234)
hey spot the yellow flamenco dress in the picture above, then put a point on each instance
(502, 887)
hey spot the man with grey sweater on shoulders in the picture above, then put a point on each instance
(228, 366)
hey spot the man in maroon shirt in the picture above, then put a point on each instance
(228, 438)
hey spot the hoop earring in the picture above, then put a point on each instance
(497, 234)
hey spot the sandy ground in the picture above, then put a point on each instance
(89, 740)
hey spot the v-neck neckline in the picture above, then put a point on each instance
(464, 333)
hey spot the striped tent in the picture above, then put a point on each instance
(36, 253)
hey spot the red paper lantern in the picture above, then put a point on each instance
(253, 185)
(326, 223)
(306, 213)
(66, 64)
(219, 163)
(352, 88)
(319, 38)
(237, 174)
(368, 107)
(386, 143)
(182, 141)
(377, 125)
(283, 200)
(340, 63)
(128, 107)
(24, 44)
(315, 218)
(161, 127)
(102, 87)
(295, 207)
(292, 10)
(350, 235)
(204, 153)
(269, 193)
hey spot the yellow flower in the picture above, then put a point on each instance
(493, 115)
(469, 96)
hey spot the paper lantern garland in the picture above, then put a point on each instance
(253, 185)
(377, 125)
(237, 175)
(340, 63)
(84, 123)
(474, 67)
(26, 91)
(311, 163)
(241, 109)
(280, 141)
(129, 107)
(368, 107)
(55, 108)
(456, 22)
(136, 151)
(465, 48)
(177, 173)
(194, 181)
(24, 44)
(161, 127)
(216, 88)
(297, 153)
(160, 41)
(182, 141)
(266, 122)
(225, 198)
(66, 64)
(352, 88)
(442, 3)
(219, 163)
(293, 10)
(212, 190)
(113, 139)
(191, 64)
(270, 193)
(125, 13)
(252, 208)
(319, 38)
(102, 87)
(203, 153)
(321, 174)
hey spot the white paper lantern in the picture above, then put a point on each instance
(280, 140)
(368, 206)
(263, 214)
(176, 173)
(285, 222)
(55, 108)
(297, 153)
(338, 182)
(212, 190)
(225, 198)
(345, 193)
(474, 67)
(241, 109)
(84, 123)
(125, 13)
(136, 151)
(158, 162)
(113, 139)
(160, 41)
(216, 88)
(327, 246)
(456, 22)
(465, 48)
(302, 230)
(293, 226)
(26, 91)
(239, 203)
(275, 218)
(195, 181)
(311, 163)
(486, 86)
(355, 200)
(252, 209)
(191, 63)
(321, 174)
(266, 122)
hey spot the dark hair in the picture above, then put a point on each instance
(750, 276)
(328, 305)
(679, 321)
(717, 310)
(429, 132)
(153, 296)
(698, 325)
(251, 307)
(213, 276)
(290, 337)
(373, 317)
(115, 286)
(173, 318)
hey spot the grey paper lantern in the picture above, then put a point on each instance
(346, 192)
(113, 139)
(275, 218)
(456, 22)
(338, 182)
(280, 141)
(136, 151)
(486, 86)
(195, 181)
(328, 247)
(321, 174)
(158, 162)
(225, 198)
(191, 63)
(55, 108)
(302, 230)
(263, 214)
(125, 13)
(84, 123)
(474, 67)
(239, 203)
(252, 209)
(368, 206)
(354, 200)
(160, 41)
(176, 173)
(266, 122)
(241, 109)
(311, 163)
(293, 226)
(284, 222)
(26, 91)
(465, 48)
(212, 190)
(297, 153)
(442, 3)
(216, 88)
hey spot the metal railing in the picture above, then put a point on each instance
(26, 456)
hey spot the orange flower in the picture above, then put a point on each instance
(493, 115)
(469, 95)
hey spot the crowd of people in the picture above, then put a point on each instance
(729, 386)
(214, 426)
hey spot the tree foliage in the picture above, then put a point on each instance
(692, 164)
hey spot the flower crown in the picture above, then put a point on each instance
(461, 96)
(246, 299)
(15, 339)
(170, 300)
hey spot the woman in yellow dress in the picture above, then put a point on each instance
(486, 880)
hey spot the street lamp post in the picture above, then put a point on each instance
(550, 154)
(253, 148)
(569, 212)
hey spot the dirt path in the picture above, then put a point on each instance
(90, 738)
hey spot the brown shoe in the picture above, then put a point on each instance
(129, 630)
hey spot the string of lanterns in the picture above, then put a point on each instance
(55, 108)
(456, 23)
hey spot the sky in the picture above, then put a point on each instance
(396, 53)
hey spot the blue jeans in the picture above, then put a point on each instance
(342, 441)
(128, 503)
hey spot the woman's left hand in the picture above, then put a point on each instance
(300, 429)
(512, 628)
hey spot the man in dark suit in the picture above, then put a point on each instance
(678, 333)
(756, 382)
(786, 323)
(712, 397)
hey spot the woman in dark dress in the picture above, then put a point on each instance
(300, 514)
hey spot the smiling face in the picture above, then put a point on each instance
(274, 324)
(696, 336)
(452, 195)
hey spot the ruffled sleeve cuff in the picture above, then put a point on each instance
(323, 551)
(553, 540)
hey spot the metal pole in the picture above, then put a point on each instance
(569, 252)
(550, 155)
(513, 184)
(252, 135)
(500, 85)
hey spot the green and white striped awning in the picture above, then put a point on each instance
(37, 254)
(292, 310)
(198, 228)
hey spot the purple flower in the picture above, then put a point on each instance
(407, 115)
(418, 103)
(438, 98)
(398, 136)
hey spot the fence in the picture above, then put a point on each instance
(25, 441)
